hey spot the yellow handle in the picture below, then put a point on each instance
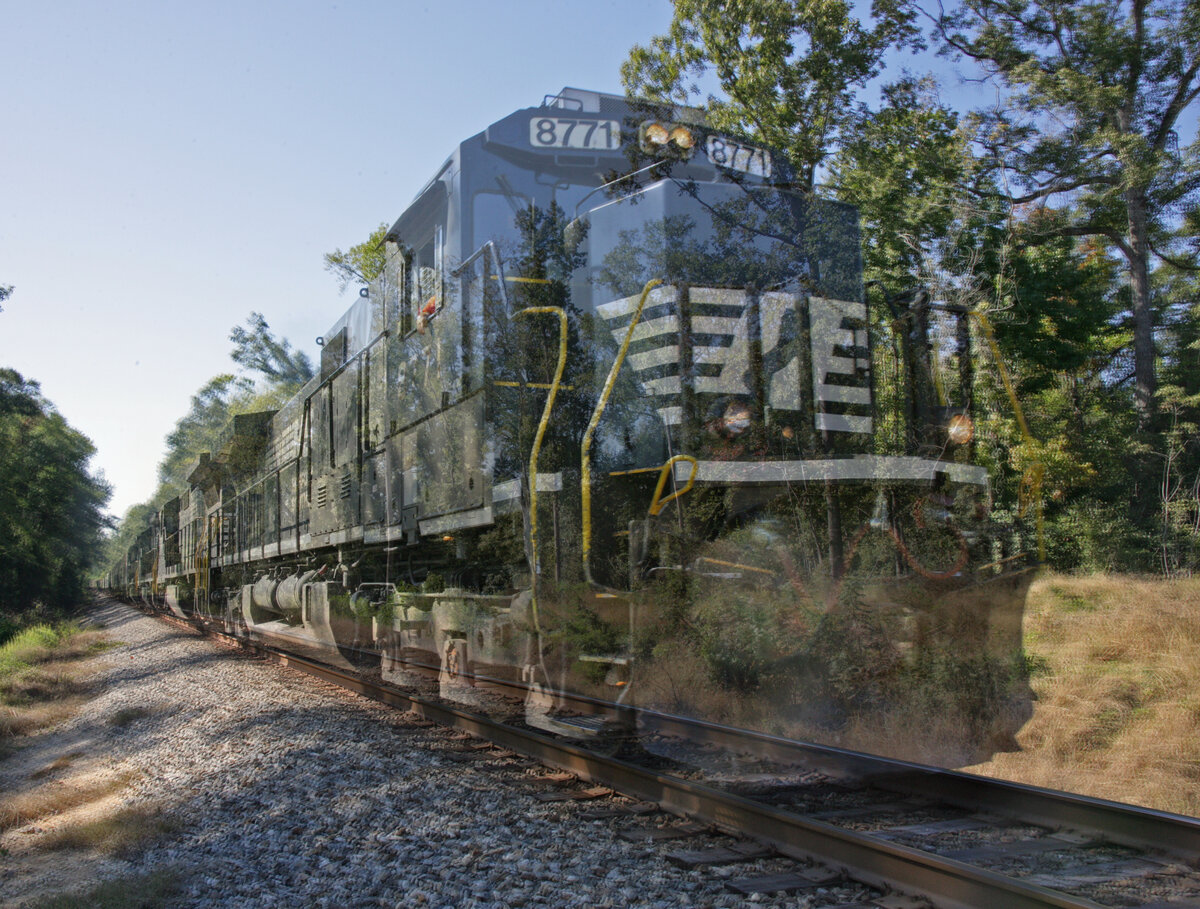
(657, 504)
(1032, 480)
(537, 440)
(586, 447)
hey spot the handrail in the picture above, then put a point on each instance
(604, 186)
(657, 504)
(537, 442)
(488, 247)
(1032, 479)
(586, 447)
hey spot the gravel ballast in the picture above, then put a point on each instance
(271, 788)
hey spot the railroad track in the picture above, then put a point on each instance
(911, 832)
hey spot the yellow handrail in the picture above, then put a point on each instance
(657, 504)
(537, 441)
(1031, 482)
(586, 447)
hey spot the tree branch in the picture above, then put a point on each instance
(1170, 260)
(1183, 97)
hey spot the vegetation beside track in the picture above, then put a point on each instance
(1117, 714)
(142, 891)
(41, 676)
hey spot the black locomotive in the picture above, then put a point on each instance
(610, 420)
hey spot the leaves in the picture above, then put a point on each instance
(787, 69)
(256, 349)
(361, 263)
(1094, 94)
(51, 506)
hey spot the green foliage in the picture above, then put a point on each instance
(361, 263)
(1094, 94)
(851, 653)
(31, 645)
(973, 688)
(144, 891)
(905, 168)
(787, 69)
(212, 409)
(5, 292)
(588, 633)
(50, 505)
(275, 372)
(737, 642)
(256, 349)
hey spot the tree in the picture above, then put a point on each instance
(1095, 94)
(50, 505)
(906, 168)
(5, 292)
(200, 429)
(256, 349)
(361, 263)
(787, 69)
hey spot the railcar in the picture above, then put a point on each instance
(616, 419)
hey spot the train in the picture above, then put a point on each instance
(617, 422)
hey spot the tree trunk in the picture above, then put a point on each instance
(1138, 255)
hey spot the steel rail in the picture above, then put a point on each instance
(1177, 836)
(1128, 825)
(878, 863)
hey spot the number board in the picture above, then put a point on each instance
(725, 152)
(572, 132)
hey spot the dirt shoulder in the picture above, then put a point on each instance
(63, 818)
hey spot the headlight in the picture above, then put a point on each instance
(657, 134)
(736, 419)
(960, 429)
(682, 137)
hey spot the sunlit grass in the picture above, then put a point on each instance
(115, 832)
(39, 675)
(51, 799)
(1118, 708)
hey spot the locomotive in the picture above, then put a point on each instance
(615, 420)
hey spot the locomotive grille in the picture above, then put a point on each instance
(721, 332)
(322, 495)
(344, 486)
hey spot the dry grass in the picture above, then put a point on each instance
(145, 891)
(59, 763)
(1118, 709)
(40, 676)
(115, 832)
(57, 797)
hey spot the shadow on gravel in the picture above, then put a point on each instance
(286, 794)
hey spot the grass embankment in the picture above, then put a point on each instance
(1115, 673)
(74, 803)
(40, 676)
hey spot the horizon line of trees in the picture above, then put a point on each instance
(51, 504)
